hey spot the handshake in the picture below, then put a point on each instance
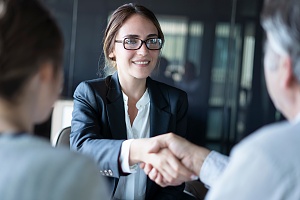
(168, 159)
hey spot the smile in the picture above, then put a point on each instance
(142, 62)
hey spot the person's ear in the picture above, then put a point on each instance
(111, 56)
(46, 71)
(287, 71)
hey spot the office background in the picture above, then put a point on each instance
(214, 51)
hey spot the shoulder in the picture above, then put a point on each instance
(267, 135)
(272, 141)
(91, 89)
(165, 89)
(94, 83)
(41, 150)
(50, 169)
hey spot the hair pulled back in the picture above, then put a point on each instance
(29, 36)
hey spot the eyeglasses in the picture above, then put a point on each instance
(135, 43)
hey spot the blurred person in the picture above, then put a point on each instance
(112, 115)
(265, 165)
(31, 49)
(190, 82)
(160, 73)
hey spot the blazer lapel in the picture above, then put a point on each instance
(159, 120)
(159, 110)
(115, 109)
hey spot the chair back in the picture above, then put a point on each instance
(61, 117)
(63, 138)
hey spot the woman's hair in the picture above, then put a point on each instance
(29, 37)
(281, 19)
(117, 19)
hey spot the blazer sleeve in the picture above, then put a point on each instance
(90, 134)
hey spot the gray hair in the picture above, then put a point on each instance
(281, 21)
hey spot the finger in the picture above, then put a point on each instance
(174, 183)
(159, 181)
(142, 165)
(153, 174)
(161, 164)
(148, 168)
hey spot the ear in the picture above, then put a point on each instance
(287, 73)
(112, 56)
(46, 71)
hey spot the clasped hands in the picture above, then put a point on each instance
(168, 159)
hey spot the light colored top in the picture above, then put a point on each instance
(31, 169)
(265, 165)
(133, 186)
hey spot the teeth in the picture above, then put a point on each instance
(142, 62)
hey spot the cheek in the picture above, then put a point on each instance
(155, 55)
(121, 55)
(59, 82)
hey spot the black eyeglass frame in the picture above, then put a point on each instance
(142, 41)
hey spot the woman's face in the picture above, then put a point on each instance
(49, 91)
(135, 64)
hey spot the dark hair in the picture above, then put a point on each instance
(119, 16)
(280, 19)
(29, 36)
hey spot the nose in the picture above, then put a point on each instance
(143, 50)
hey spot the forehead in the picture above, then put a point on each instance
(137, 25)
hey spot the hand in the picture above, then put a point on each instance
(158, 178)
(169, 168)
(191, 156)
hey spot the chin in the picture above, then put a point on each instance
(41, 119)
(142, 75)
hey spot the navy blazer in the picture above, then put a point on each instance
(98, 125)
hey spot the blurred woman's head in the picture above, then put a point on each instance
(31, 44)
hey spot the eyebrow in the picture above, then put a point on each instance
(137, 36)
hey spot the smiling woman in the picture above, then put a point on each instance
(112, 116)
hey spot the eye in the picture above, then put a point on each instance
(152, 41)
(130, 41)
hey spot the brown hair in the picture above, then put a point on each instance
(29, 36)
(116, 21)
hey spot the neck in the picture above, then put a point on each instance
(13, 118)
(134, 89)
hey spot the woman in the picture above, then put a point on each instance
(31, 48)
(111, 114)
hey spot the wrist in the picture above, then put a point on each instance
(199, 158)
(134, 152)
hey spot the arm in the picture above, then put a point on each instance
(90, 133)
(253, 174)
